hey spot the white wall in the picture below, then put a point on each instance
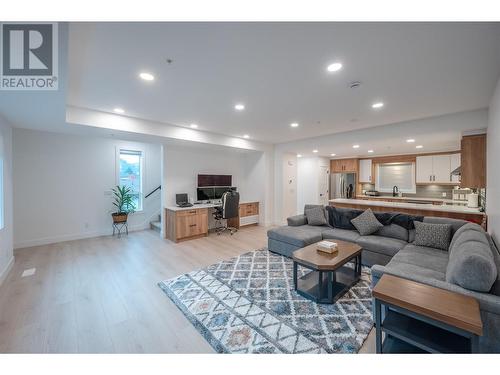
(493, 172)
(6, 233)
(62, 186)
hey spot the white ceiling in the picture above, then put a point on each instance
(279, 71)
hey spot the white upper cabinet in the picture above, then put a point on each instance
(441, 168)
(436, 169)
(455, 162)
(424, 169)
(365, 171)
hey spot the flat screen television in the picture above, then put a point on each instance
(205, 194)
(206, 180)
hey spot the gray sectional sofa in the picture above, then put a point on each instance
(469, 266)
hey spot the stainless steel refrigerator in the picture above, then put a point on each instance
(342, 185)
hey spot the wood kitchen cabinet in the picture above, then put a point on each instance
(473, 161)
(344, 165)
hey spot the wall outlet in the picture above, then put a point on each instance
(443, 194)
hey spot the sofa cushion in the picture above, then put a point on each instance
(426, 257)
(297, 220)
(455, 223)
(383, 245)
(393, 231)
(465, 228)
(316, 216)
(466, 236)
(402, 268)
(341, 217)
(366, 223)
(340, 234)
(472, 265)
(432, 235)
(297, 236)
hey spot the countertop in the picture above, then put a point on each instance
(198, 206)
(444, 200)
(414, 206)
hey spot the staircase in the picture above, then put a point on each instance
(156, 225)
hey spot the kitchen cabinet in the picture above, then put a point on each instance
(365, 171)
(435, 169)
(473, 161)
(344, 165)
(455, 162)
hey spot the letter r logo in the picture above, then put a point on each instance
(27, 49)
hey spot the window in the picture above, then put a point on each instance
(131, 174)
(401, 175)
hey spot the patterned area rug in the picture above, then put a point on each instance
(248, 305)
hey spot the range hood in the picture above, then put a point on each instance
(456, 172)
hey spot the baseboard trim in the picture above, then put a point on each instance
(74, 237)
(7, 269)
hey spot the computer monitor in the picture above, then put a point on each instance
(219, 191)
(205, 194)
(181, 198)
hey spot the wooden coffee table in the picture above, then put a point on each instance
(330, 277)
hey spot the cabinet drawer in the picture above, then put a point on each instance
(189, 212)
(191, 223)
(249, 209)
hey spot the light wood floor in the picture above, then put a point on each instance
(100, 295)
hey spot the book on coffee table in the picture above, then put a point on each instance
(327, 247)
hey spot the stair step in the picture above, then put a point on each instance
(156, 225)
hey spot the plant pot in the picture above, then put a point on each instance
(119, 217)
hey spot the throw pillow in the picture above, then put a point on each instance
(437, 236)
(316, 216)
(367, 223)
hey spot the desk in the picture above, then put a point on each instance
(187, 223)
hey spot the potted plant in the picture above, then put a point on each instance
(123, 201)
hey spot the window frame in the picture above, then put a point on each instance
(136, 149)
(413, 190)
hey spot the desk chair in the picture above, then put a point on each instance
(228, 210)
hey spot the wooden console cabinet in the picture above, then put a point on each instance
(186, 224)
(249, 213)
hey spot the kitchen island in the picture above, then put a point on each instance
(417, 209)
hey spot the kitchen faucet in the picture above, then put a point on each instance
(395, 191)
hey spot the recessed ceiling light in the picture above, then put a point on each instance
(377, 105)
(334, 67)
(299, 155)
(355, 146)
(333, 154)
(239, 107)
(146, 76)
(315, 151)
(194, 126)
(294, 124)
(411, 140)
(370, 151)
(119, 110)
(419, 146)
(246, 136)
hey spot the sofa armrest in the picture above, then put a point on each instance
(297, 220)
(487, 302)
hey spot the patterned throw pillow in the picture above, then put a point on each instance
(316, 216)
(367, 223)
(437, 236)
